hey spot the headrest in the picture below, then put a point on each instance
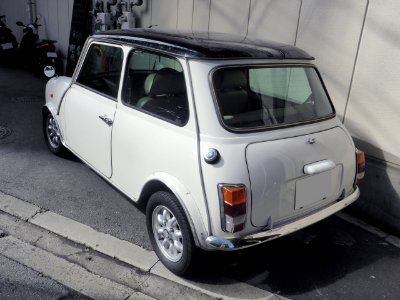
(148, 83)
(168, 81)
(233, 79)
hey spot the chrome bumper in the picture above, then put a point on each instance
(214, 242)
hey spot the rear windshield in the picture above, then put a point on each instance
(261, 97)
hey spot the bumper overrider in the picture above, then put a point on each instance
(214, 242)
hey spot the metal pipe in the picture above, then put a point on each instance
(99, 6)
(110, 3)
(31, 4)
(34, 10)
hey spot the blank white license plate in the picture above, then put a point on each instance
(51, 54)
(317, 188)
(6, 46)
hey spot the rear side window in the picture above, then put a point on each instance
(257, 97)
(155, 84)
(101, 70)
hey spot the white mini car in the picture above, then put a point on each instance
(228, 144)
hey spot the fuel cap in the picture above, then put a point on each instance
(211, 156)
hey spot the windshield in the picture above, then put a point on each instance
(254, 97)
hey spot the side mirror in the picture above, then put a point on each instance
(49, 71)
(19, 23)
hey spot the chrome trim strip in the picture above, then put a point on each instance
(218, 243)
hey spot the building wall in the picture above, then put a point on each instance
(356, 45)
(56, 22)
(55, 17)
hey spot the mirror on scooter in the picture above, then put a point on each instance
(19, 23)
(49, 71)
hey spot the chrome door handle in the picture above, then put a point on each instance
(106, 120)
(318, 167)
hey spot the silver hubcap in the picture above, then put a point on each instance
(167, 233)
(53, 133)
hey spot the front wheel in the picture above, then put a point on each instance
(52, 135)
(170, 233)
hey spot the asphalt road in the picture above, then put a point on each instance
(330, 260)
(20, 282)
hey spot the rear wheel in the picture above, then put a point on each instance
(170, 233)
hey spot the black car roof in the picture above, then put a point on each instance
(204, 45)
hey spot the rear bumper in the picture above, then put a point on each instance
(214, 242)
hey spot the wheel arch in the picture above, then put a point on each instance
(164, 182)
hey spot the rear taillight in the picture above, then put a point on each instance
(233, 206)
(360, 166)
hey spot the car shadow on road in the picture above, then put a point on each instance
(323, 255)
(379, 202)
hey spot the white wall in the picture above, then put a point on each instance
(274, 20)
(373, 113)
(330, 31)
(55, 19)
(56, 22)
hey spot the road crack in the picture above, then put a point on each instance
(40, 211)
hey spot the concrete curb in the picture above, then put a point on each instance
(101, 242)
(122, 250)
(64, 272)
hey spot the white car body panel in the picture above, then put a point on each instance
(86, 134)
(280, 188)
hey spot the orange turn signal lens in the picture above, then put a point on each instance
(360, 166)
(360, 157)
(234, 195)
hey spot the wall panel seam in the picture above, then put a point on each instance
(356, 60)
(298, 22)
(248, 20)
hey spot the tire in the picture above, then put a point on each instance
(52, 135)
(179, 256)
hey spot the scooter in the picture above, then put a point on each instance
(37, 54)
(8, 43)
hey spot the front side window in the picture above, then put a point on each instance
(155, 83)
(101, 70)
(257, 97)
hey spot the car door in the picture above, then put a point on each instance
(90, 106)
(153, 133)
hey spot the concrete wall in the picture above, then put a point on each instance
(356, 44)
(55, 19)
